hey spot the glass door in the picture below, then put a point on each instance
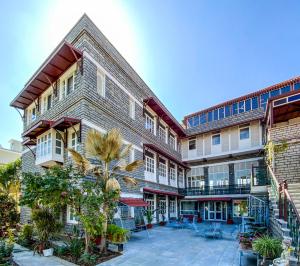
(215, 210)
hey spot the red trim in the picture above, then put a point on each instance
(65, 122)
(214, 199)
(250, 95)
(164, 154)
(163, 113)
(161, 192)
(55, 65)
(134, 202)
(38, 129)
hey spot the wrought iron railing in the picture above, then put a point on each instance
(215, 190)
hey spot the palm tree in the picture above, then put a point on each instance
(110, 152)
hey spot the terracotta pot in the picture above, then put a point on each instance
(162, 223)
(149, 226)
(199, 220)
(229, 221)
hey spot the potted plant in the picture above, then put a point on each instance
(46, 226)
(149, 217)
(268, 249)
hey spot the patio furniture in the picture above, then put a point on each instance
(175, 224)
(197, 231)
(214, 232)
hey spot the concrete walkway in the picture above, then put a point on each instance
(180, 247)
(25, 257)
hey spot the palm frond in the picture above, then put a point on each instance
(80, 161)
(113, 145)
(125, 152)
(129, 180)
(112, 184)
(134, 165)
(94, 143)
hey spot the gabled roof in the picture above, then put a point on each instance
(55, 65)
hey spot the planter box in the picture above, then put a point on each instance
(48, 252)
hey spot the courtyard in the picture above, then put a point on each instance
(167, 246)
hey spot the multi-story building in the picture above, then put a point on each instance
(11, 154)
(202, 167)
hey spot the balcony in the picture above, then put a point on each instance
(215, 190)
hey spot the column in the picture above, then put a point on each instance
(155, 125)
(206, 178)
(167, 208)
(156, 214)
(176, 207)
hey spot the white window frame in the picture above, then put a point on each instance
(162, 133)
(242, 128)
(212, 137)
(150, 164)
(131, 108)
(101, 80)
(172, 173)
(69, 220)
(131, 156)
(172, 141)
(162, 169)
(149, 123)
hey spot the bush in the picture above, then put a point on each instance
(88, 259)
(9, 216)
(6, 249)
(26, 235)
(116, 234)
(267, 247)
(75, 244)
(46, 227)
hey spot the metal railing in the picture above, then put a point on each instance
(215, 190)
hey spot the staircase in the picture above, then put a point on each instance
(258, 209)
(294, 190)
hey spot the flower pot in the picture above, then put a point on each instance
(229, 221)
(97, 240)
(199, 220)
(162, 223)
(149, 226)
(48, 252)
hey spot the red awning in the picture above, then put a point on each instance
(65, 122)
(38, 129)
(134, 202)
(214, 199)
(55, 65)
(161, 192)
(162, 112)
(163, 153)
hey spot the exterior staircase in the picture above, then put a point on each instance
(294, 190)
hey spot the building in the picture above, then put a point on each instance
(212, 166)
(12, 154)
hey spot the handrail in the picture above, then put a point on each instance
(292, 203)
(273, 177)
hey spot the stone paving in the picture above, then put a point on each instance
(180, 247)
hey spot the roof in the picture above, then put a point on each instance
(165, 154)
(65, 122)
(246, 117)
(165, 115)
(134, 202)
(161, 192)
(55, 65)
(37, 129)
(250, 95)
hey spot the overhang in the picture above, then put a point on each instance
(161, 192)
(134, 202)
(165, 154)
(65, 122)
(162, 113)
(37, 129)
(54, 66)
(29, 142)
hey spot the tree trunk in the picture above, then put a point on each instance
(87, 242)
(104, 229)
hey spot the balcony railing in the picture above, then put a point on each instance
(215, 190)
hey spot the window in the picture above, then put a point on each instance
(218, 175)
(58, 143)
(203, 118)
(100, 83)
(33, 114)
(70, 85)
(240, 208)
(162, 168)
(234, 108)
(216, 139)
(131, 156)
(196, 121)
(264, 99)
(172, 206)
(44, 145)
(297, 86)
(149, 158)
(285, 89)
(195, 178)
(248, 105)
(192, 144)
(241, 107)
(242, 172)
(209, 116)
(74, 141)
(71, 218)
(227, 110)
(162, 133)
(172, 141)
(216, 115)
(254, 103)
(190, 122)
(180, 176)
(149, 123)
(131, 108)
(221, 113)
(244, 133)
(172, 173)
(275, 93)
(49, 101)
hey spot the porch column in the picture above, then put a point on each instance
(176, 208)
(156, 215)
(167, 208)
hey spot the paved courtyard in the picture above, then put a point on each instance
(167, 246)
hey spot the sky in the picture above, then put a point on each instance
(192, 54)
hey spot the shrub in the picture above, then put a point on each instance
(88, 259)
(46, 227)
(76, 244)
(6, 249)
(267, 247)
(8, 215)
(116, 234)
(26, 235)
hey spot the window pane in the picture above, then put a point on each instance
(244, 133)
(209, 116)
(254, 103)
(285, 89)
(221, 113)
(216, 116)
(203, 118)
(192, 144)
(216, 139)
(227, 110)
(70, 85)
(241, 107)
(190, 122)
(275, 93)
(196, 121)
(264, 99)
(248, 105)
(235, 108)
(297, 86)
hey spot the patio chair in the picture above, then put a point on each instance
(197, 231)
(175, 224)
(214, 231)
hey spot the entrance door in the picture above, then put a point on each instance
(215, 210)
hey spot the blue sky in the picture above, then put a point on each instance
(193, 54)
